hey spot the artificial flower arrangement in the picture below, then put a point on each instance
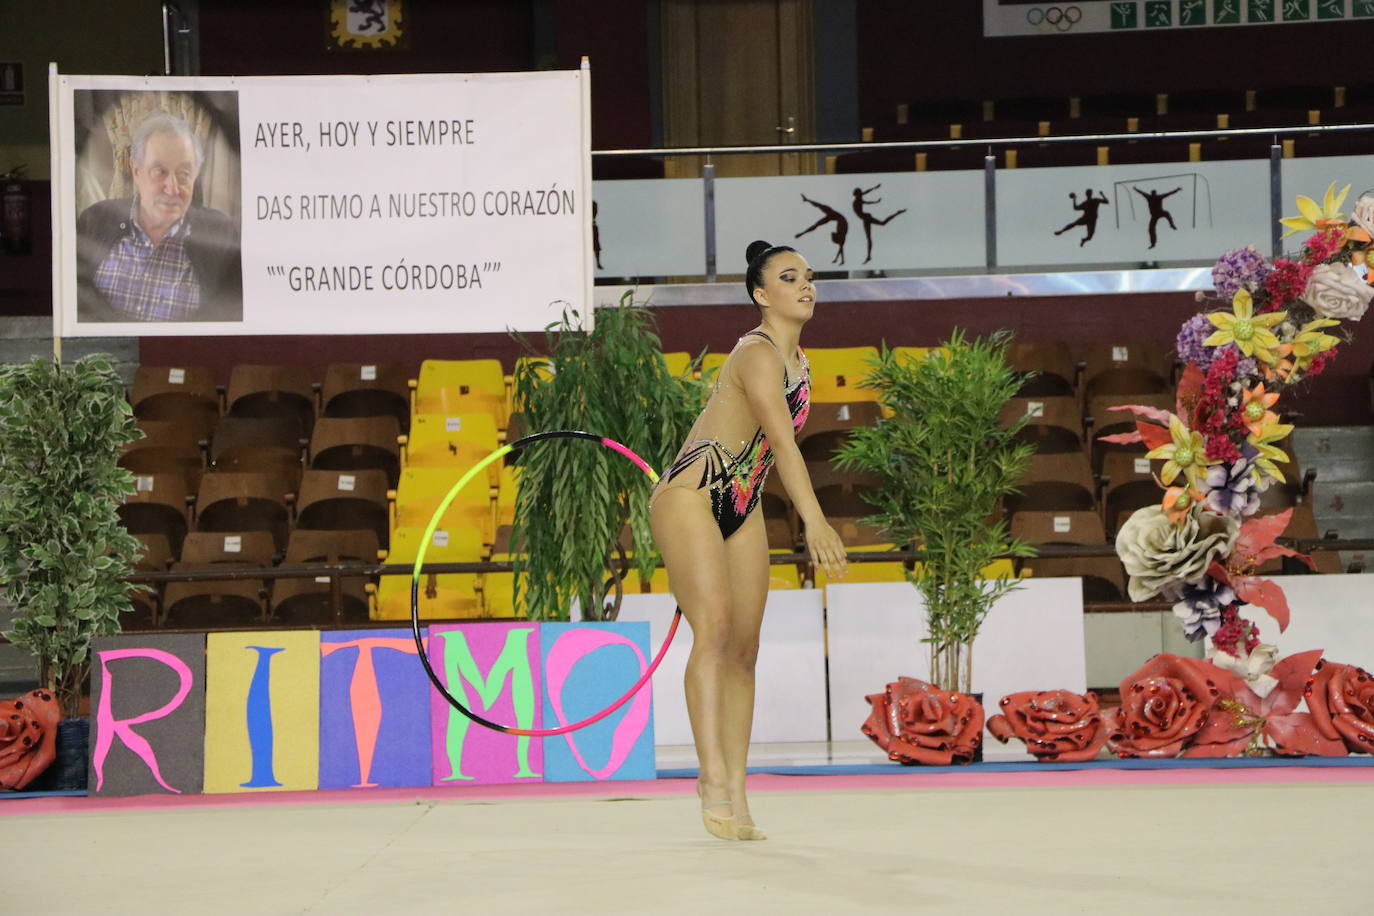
(1203, 543)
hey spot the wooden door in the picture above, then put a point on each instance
(736, 73)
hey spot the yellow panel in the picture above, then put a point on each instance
(658, 582)
(455, 593)
(422, 489)
(292, 676)
(837, 371)
(462, 386)
(866, 572)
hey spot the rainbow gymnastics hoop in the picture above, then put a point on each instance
(420, 559)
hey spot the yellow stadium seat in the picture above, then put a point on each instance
(422, 489)
(783, 578)
(658, 582)
(461, 386)
(498, 590)
(910, 354)
(837, 371)
(441, 596)
(866, 572)
(450, 441)
(677, 363)
(507, 488)
(711, 363)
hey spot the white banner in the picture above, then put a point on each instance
(307, 205)
(891, 221)
(1110, 214)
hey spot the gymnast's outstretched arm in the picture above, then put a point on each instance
(759, 370)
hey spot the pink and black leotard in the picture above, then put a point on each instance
(726, 453)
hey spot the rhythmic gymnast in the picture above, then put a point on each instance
(712, 540)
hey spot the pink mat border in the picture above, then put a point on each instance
(763, 782)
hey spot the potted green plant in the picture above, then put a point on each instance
(575, 499)
(64, 556)
(944, 463)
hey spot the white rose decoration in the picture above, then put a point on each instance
(1157, 553)
(1363, 214)
(1336, 291)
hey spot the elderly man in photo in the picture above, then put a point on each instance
(156, 256)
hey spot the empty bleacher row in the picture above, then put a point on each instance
(1119, 113)
(274, 469)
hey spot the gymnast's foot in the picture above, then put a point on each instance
(746, 829)
(717, 816)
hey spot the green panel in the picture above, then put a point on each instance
(1362, 8)
(1159, 13)
(1331, 9)
(1126, 15)
(1192, 12)
(1260, 11)
(1297, 10)
(1225, 11)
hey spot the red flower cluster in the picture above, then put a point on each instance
(1322, 246)
(1220, 426)
(1319, 362)
(1285, 283)
(1234, 631)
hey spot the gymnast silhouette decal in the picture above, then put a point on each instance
(1087, 214)
(860, 201)
(596, 238)
(1155, 201)
(838, 235)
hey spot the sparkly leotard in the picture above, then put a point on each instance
(734, 478)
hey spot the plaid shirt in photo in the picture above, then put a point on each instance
(150, 282)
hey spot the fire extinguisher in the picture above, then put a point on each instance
(16, 228)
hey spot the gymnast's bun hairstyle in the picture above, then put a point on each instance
(758, 254)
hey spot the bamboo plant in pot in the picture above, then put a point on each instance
(575, 498)
(64, 556)
(944, 464)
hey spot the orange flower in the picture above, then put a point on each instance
(1282, 368)
(1179, 501)
(1255, 408)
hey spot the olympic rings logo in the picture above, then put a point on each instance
(1054, 17)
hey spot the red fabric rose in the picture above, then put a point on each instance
(916, 722)
(1163, 705)
(1056, 725)
(1341, 698)
(1245, 723)
(28, 737)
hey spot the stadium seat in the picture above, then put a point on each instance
(144, 612)
(208, 604)
(235, 501)
(1055, 368)
(422, 489)
(357, 443)
(452, 441)
(710, 365)
(678, 363)
(837, 371)
(657, 584)
(1103, 578)
(1054, 482)
(160, 506)
(447, 595)
(272, 391)
(1150, 150)
(344, 501)
(1126, 367)
(298, 602)
(167, 447)
(185, 395)
(498, 595)
(893, 571)
(843, 508)
(785, 576)
(460, 387)
(1053, 424)
(1118, 104)
(271, 445)
(778, 521)
(367, 390)
(507, 489)
(1120, 500)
